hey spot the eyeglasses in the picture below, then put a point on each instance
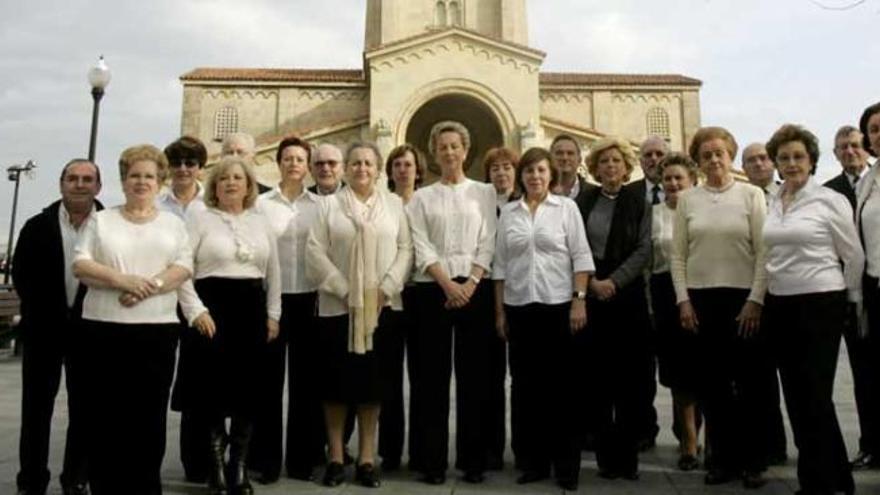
(329, 163)
(188, 162)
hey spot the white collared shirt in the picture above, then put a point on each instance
(290, 221)
(166, 200)
(538, 256)
(806, 244)
(649, 192)
(869, 221)
(663, 217)
(453, 225)
(69, 237)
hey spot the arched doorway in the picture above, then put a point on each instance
(479, 119)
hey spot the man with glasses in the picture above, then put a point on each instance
(852, 158)
(326, 169)
(187, 157)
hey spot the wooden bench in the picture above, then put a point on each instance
(10, 308)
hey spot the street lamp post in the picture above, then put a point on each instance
(14, 172)
(99, 78)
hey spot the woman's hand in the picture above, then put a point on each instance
(603, 289)
(142, 287)
(272, 330)
(205, 325)
(458, 295)
(381, 300)
(128, 299)
(688, 316)
(501, 324)
(749, 319)
(578, 317)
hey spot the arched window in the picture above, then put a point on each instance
(658, 122)
(225, 122)
(454, 13)
(440, 14)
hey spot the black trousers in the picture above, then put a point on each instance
(391, 416)
(735, 377)
(864, 360)
(46, 351)
(542, 365)
(443, 337)
(805, 331)
(129, 372)
(614, 350)
(495, 399)
(195, 427)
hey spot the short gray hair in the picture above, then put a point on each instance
(233, 136)
(364, 144)
(845, 131)
(448, 126)
(325, 146)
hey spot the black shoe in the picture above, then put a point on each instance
(216, 477)
(608, 474)
(265, 478)
(717, 476)
(473, 477)
(865, 460)
(367, 476)
(646, 444)
(568, 484)
(531, 477)
(75, 489)
(334, 474)
(688, 462)
(752, 480)
(433, 478)
(390, 464)
(239, 443)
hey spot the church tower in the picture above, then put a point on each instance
(393, 20)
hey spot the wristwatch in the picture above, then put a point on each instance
(579, 294)
(158, 282)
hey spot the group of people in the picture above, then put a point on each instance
(580, 290)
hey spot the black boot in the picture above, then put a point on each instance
(239, 441)
(216, 464)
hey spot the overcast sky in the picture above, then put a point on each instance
(763, 63)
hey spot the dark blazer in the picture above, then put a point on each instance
(840, 184)
(38, 273)
(623, 238)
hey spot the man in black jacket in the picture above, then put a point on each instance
(863, 352)
(51, 304)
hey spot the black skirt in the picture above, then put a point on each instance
(677, 349)
(346, 377)
(217, 376)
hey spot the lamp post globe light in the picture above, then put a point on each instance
(99, 78)
(14, 172)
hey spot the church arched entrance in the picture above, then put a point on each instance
(479, 119)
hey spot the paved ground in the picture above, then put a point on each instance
(658, 475)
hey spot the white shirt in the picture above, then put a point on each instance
(290, 222)
(235, 247)
(538, 256)
(869, 220)
(806, 244)
(663, 217)
(69, 236)
(649, 192)
(453, 225)
(329, 247)
(144, 249)
(166, 200)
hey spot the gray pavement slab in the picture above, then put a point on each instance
(657, 466)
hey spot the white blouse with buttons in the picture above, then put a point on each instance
(290, 222)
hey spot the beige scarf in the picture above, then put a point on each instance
(363, 281)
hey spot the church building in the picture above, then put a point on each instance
(432, 60)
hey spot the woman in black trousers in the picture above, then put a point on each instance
(453, 229)
(618, 226)
(809, 233)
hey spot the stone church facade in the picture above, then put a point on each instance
(432, 60)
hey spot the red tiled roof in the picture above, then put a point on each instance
(274, 75)
(579, 78)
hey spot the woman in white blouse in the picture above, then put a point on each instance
(236, 306)
(676, 347)
(809, 232)
(291, 210)
(717, 265)
(453, 229)
(541, 270)
(132, 258)
(359, 254)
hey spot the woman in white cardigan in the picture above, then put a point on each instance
(359, 255)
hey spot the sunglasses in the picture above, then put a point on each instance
(187, 162)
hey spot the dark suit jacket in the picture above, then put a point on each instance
(38, 274)
(841, 185)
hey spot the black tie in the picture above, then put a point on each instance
(655, 195)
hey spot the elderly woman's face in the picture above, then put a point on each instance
(502, 175)
(361, 170)
(536, 178)
(141, 183)
(874, 132)
(294, 164)
(184, 172)
(449, 151)
(675, 180)
(231, 187)
(793, 162)
(404, 172)
(611, 167)
(715, 160)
